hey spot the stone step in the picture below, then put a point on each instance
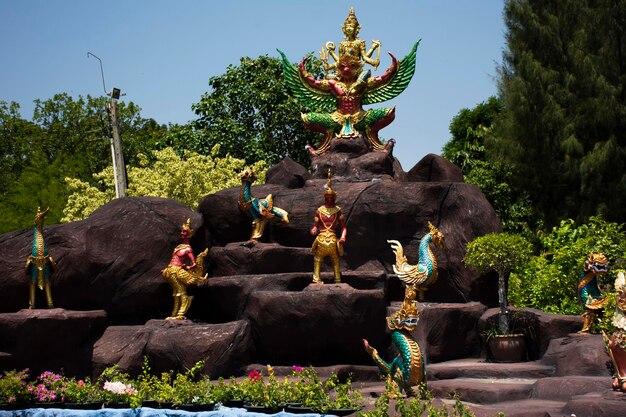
(522, 408)
(479, 368)
(564, 388)
(483, 390)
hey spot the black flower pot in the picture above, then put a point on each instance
(342, 411)
(196, 407)
(298, 409)
(117, 404)
(234, 403)
(85, 406)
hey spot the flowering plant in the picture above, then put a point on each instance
(48, 387)
(13, 387)
(81, 391)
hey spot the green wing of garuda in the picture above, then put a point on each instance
(397, 83)
(299, 88)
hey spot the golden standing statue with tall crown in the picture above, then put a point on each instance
(326, 244)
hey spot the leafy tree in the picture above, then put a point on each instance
(549, 281)
(467, 148)
(67, 138)
(15, 136)
(563, 83)
(250, 113)
(185, 179)
(502, 253)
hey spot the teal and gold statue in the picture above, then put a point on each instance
(40, 264)
(407, 369)
(259, 210)
(590, 296)
(343, 93)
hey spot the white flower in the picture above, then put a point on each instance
(119, 388)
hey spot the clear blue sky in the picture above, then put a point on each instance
(162, 53)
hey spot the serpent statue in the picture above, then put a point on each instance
(40, 263)
(407, 369)
(260, 210)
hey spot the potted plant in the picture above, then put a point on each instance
(117, 391)
(14, 392)
(343, 399)
(190, 395)
(47, 390)
(502, 253)
(82, 395)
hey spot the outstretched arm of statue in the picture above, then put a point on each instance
(367, 56)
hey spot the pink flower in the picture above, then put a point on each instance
(81, 383)
(297, 368)
(254, 376)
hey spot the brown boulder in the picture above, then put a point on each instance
(287, 173)
(446, 331)
(53, 340)
(577, 354)
(321, 325)
(110, 261)
(434, 168)
(176, 345)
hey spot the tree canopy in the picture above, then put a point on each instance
(67, 137)
(471, 129)
(250, 114)
(186, 179)
(563, 82)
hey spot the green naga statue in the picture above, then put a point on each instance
(40, 264)
(407, 369)
(343, 93)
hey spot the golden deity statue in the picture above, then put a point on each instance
(352, 45)
(183, 270)
(326, 244)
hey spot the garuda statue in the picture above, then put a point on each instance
(342, 94)
(590, 296)
(259, 210)
(40, 264)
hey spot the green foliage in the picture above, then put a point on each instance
(250, 113)
(499, 252)
(185, 179)
(471, 130)
(420, 405)
(67, 138)
(14, 386)
(563, 82)
(549, 281)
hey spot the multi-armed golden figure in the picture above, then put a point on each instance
(352, 45)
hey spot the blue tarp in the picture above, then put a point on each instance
(142, 412)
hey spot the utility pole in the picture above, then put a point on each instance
(119, 167)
